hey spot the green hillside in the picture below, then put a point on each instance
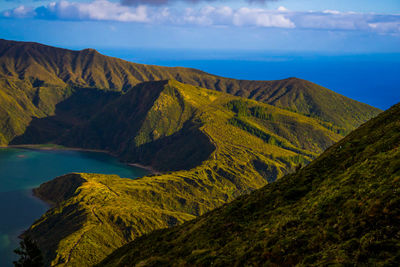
(212, 138)
(157, 124)
(181, 127)
(45, 76)
(342, 209)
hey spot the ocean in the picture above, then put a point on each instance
(370, 78)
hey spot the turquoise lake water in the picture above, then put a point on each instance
(23, 169)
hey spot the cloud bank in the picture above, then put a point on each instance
(103, 10)
(97, 10)
(165, 2)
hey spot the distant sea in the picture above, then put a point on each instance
(370, 78)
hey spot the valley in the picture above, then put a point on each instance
(211, 140)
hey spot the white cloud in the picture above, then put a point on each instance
(334, 12)
(20, 12)
(210, 16)
(282, 9)
(226, 16)
(113, 11)
(260, 17)
(383, 27)
(191, 2)
(328, 21)
(202, 17)
(96, 10)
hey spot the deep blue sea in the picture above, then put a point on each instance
(370, 78)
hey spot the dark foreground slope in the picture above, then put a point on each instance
(222, 146)
(343, 208)
(34, 78)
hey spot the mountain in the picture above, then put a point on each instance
(156, 124)
(220, 147)
(212, 138)
(34, 78)
(342, 209)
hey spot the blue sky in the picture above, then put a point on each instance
(339, 26)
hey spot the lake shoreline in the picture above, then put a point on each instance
(146, 167)
(37, 164)
(35, 193)
(57, 147)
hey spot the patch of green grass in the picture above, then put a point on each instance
(242, 124)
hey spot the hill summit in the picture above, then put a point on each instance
(212, 139)
(34, 78)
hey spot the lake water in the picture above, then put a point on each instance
(23, 169)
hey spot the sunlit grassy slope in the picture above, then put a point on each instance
(212, 145)
(182, 127)
(342, 209)
(34, 78)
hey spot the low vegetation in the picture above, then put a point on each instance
(35, 78)
(342, 209)
(29, 254)
(211, 145)
(95, 214)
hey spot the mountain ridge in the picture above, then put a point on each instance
(213, 138)
(46, 75)
(186, 129)
(342, 209)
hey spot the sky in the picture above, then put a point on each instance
(350, 46)
(356, 26)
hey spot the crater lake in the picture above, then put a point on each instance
(23, 169)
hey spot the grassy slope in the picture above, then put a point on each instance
(15, 110)
(157, 126)
(85, 99)
(96, 214)
(343, 209)
(45, 75)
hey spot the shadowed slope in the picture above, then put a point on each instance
(156, 123)
(223, 145)
(47, 73)
(183, 127)
(343, 208)
(77, 109)
(151, 124)
(16, 109)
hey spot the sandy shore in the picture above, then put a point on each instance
(149, 168)
(55, 147)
